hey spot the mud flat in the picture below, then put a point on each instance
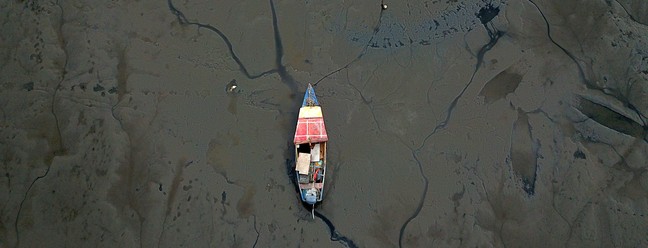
(451, 124)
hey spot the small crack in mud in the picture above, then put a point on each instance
(60, 150)
(280, 68)
(362, 53)
(581, 72)
(366, 102)
(184, 21)
(23, 201)
(553, 205)
(630, 15)
(257, 232)
(501, 235)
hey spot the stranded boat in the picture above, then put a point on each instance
(310, 149)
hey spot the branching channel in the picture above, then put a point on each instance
(486, 14)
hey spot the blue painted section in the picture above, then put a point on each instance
(310, 198)
(310, 94)
(304, 195)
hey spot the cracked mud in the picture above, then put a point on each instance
(452, 123)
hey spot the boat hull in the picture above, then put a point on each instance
(310, 142)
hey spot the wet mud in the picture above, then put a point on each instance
(451, 123)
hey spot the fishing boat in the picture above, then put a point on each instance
(310, 150)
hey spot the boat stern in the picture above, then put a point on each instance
(310, 196)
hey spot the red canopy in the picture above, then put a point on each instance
(310, 130)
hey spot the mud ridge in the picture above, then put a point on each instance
(612, 119)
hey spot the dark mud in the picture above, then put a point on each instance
(451, 123)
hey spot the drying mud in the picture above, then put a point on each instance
(463, 123)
